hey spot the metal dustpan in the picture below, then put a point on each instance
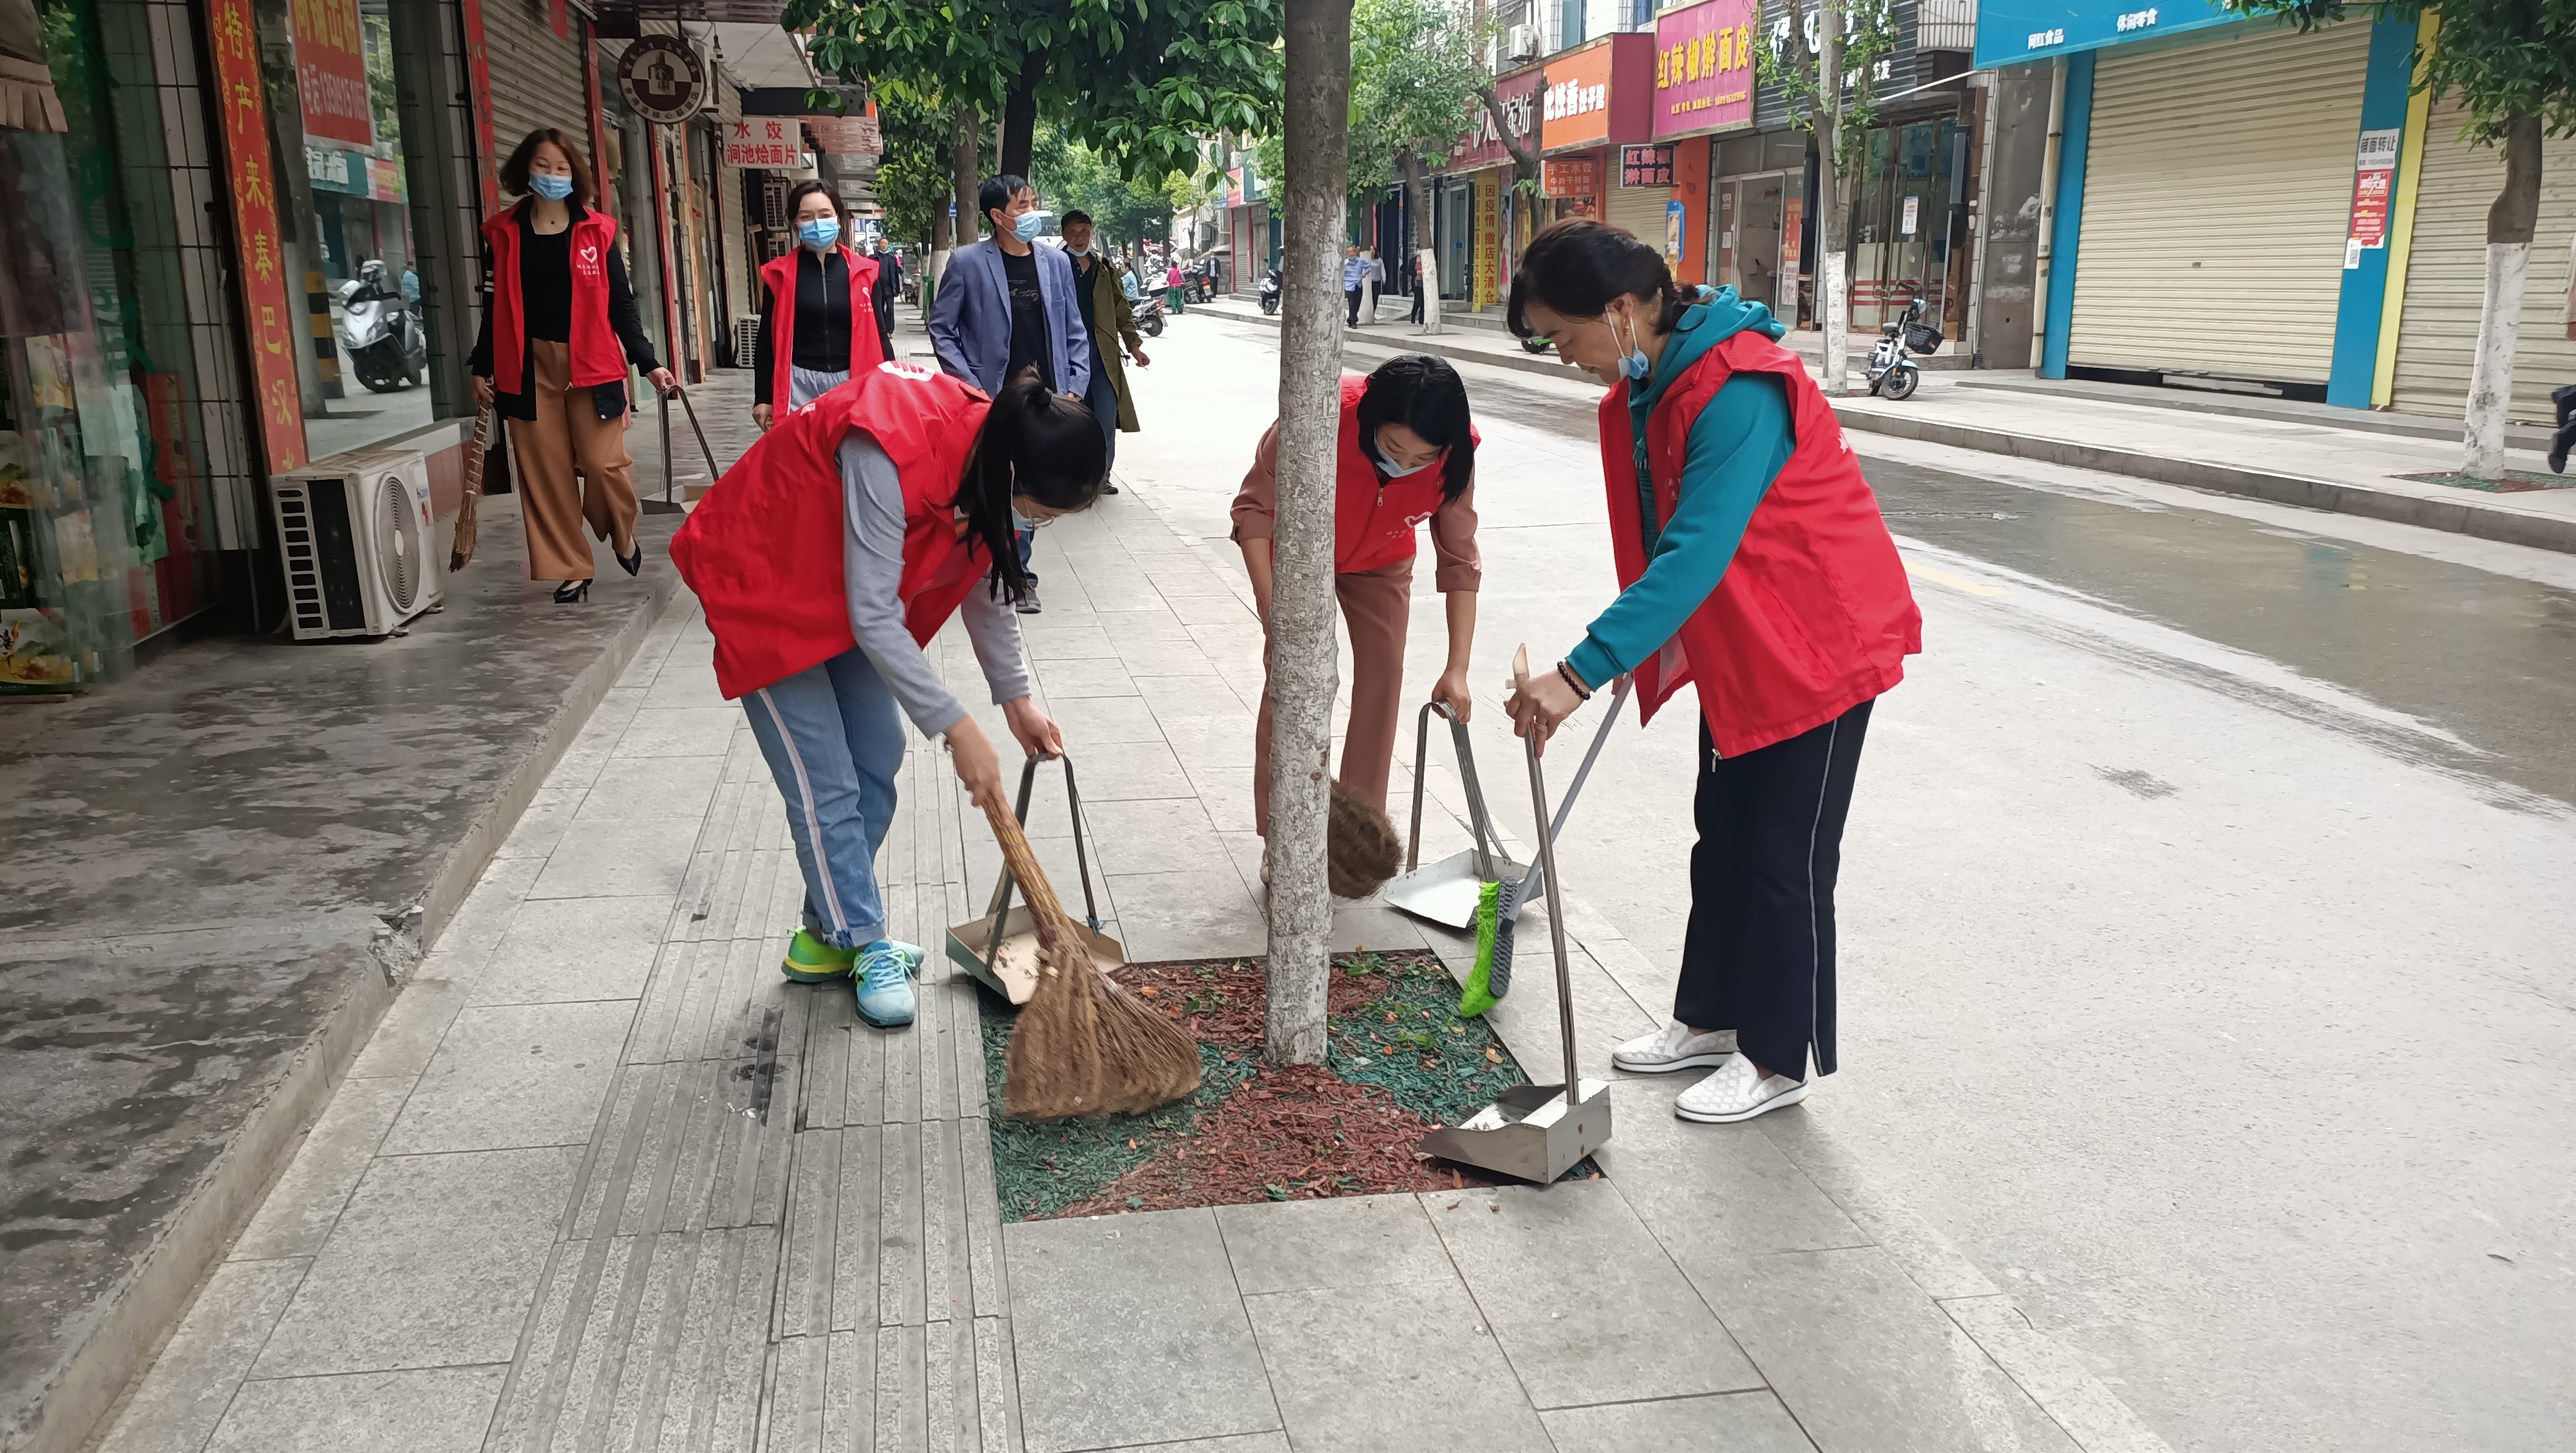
(1537, 1132)
(1446, 891)
(1001, 948)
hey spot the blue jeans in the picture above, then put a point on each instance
(1103, 399)
(834, 743)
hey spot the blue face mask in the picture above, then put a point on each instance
(819, 233)
(1633, 360)
(1387, 466)
(1028, 225)
(552, 188)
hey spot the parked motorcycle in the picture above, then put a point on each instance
(378, 334)
(1270, 294)
(1149, 315)
(1893, 373)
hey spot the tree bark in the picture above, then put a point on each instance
(1303, 675)
(1524, 156)
(1020, 116)
(2510, 224)
(965, 161)
(1417, 187)
(1833, 310)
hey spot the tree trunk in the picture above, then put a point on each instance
(1417, 186)
(1302, 669)
(1833, 290)
(2510, 223)
(1524, 155)
(1020, 116)
(967, 165)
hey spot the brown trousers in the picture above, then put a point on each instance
(1376, 606)
(568, 434)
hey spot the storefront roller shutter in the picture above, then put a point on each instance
(536, 75)
(2446, 276)
(2217, 194)
(1639, 210)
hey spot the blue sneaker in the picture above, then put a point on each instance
(886, 970)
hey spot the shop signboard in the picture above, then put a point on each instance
(1483, 144)
(1601, 94)
(233, 36)
(478, 80)
(2013, 32)
(1571, 176)
(1646, 166)
(331, 72)
(663, 78)
(1895, 72)
(840, 135)
(1489, 232)
(2374, 174)
(1704, 68)
(763, 142)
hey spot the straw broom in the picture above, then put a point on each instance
(476, 449)
(1083, 1045)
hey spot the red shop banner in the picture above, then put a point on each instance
(1704, 67)
(1483, 145)
(1571, 176)
(331, 67)
(259, 266)
(769, 143)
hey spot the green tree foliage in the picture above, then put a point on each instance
(1869, 36)
(913, 181)
(1139, 81)
(1070, 175)
(1416, 82)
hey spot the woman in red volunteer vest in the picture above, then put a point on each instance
(818, 316)
(1753, 566)
(559, 331)
(825, 559)
(1407, 453)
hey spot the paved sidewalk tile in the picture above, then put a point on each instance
(1104, 1310)
(184, 1395)
(631, 859)
(1348, 1241)
(570, 950)
(512, 1076)
(434, 1263)
(1744, 1422)
(1720, 1185)
(436, 1410)
(1582, 1298)
(297, 1217)
(1391, 1369)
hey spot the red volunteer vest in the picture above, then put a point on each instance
(779, 273)
(763, 549)
(1813, 616)
(597, 356)
(1374, 517)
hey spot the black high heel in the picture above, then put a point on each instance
(631, 563)
(573, 592)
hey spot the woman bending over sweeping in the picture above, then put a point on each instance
(827, 558)
(1752, 564)
(1407, 453)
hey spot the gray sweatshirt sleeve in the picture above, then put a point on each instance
(872, 571)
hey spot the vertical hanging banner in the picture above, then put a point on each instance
(2374, 178)
(331, 67)
(265, 315)
(478, 76)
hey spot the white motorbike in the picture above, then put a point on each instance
(1893, 373)
(379, 336)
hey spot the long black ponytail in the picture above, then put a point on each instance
(1036, 443)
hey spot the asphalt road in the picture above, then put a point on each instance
(2209, 951)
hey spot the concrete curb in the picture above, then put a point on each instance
(2460, 517)
(95, 1376)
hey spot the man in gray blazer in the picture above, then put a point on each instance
(1007, 304)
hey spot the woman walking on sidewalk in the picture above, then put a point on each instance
(1407, 453)
(826, 559)
(1753, 564)
(559, 332)
(818, 316)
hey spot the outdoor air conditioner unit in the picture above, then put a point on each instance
(1521, 43)
(746, 341)
(360, 541)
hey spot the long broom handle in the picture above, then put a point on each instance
(1565, 805)
(1053, 927)
(1555, 904)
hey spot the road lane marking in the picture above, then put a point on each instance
(1955, 582)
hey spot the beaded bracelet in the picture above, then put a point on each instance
(1581, 691)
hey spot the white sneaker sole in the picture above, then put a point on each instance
(1667, 1066)
(1785, 1097)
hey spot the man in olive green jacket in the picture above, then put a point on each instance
(1105, 312)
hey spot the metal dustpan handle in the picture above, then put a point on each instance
(1537, 873)
(1477, 818)
(1000, 908)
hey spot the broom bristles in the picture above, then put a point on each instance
(1361, 850)
(1083, 1045)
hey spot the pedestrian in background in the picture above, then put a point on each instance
(1354, 277)
(1753, 562)
(559, 332)
(1173, 283)
(1376, 281)
(889, 289)
(1111, 324)
(818, 314)
(1007, 304)
(1413, 277)
(2565, 397)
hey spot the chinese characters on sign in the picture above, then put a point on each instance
(1704, 67)
(2374, 174)
(1570, 176)
(331, 66)
(1646, 166)
(1573, 98)
(1482, 144)
(234, 41)
(843, 135)
(770, 142)
(1489, 229)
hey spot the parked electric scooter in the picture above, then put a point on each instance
(1893, 373)
(384, 344)
(1149, 315)
(1270, 293)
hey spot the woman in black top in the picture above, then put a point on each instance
(559, 333)
(813, 340)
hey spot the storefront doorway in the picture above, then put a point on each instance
(1762, 260)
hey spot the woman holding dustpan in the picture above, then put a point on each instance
(1406, 455)
(1753, 565)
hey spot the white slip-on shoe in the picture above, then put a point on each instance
(1671, 1048)
(1736, 1091)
